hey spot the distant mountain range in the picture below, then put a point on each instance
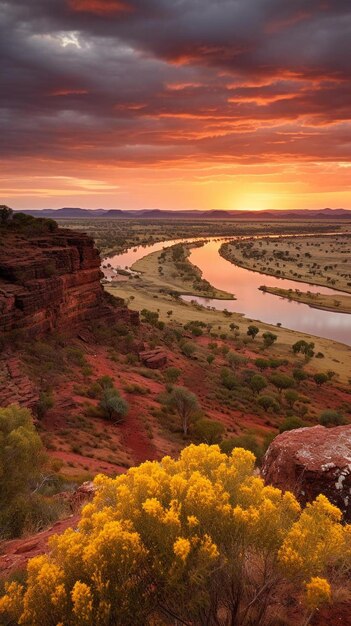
(77, 213)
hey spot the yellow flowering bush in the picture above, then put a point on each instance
(200, 539)
(318, 592)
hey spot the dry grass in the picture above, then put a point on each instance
(337, 356)
(172, 279)
(340, 304)
(318, 259)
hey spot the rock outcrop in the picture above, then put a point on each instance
(15, 386)
(52, 281)
(310, 461)
(154, 359)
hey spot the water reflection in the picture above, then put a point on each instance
(255, 304)
(252, 302)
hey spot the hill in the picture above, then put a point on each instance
(302, 214)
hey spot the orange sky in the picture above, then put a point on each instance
(203, 105)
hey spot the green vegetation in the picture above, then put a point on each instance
(22, 467)
(20, 222)
(322, 260)
(112, 406)
(186, 405)
(331, 418)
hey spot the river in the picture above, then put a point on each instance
(250, 301)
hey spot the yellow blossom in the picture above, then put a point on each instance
(318, 592)
(181, 548)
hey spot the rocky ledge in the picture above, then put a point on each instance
(310, 461)
(52, 281)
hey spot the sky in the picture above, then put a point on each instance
(175, 104)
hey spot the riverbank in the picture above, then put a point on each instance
(171, 270)
(336, 304)
(323, 260)
(336, 356)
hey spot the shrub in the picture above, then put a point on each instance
(299, 375)
(268, 402)
(209, 431)
(45, 402)
(171, 541)
(171, 374)
(228, 379)
(235, 360)
(290, 423)
(76, 356)
(188, 349)
(22, 458)
(282, 381)
(257, 383)
(320, 378)
(246, 441)
(262, 364)
(331, 418)
(112, 406)
(150, 317)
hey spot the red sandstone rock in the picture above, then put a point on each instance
(154, 359)
(310, 461)
(80, 496)
(52, 281)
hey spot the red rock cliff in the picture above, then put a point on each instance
(52, 281)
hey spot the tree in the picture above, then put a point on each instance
(268, 402)
(257, 383)
(198, 540)
(269, 339)
(306, 348)
(5, 214)
(252, 331)
(113, 407)
(209, 431)
(186, 405)
(281, 381)
(291, 396)
(320, 378)
(22, 458)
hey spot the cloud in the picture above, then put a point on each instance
(99, 7)
(139, 82)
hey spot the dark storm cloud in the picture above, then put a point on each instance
(155, 80)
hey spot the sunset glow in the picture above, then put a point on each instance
(195, 104)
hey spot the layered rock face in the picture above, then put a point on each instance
(310, 461)
(52, 281)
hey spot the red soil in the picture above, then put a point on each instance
(16, 553)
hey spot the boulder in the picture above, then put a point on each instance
(310, 461)
(154, 359)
